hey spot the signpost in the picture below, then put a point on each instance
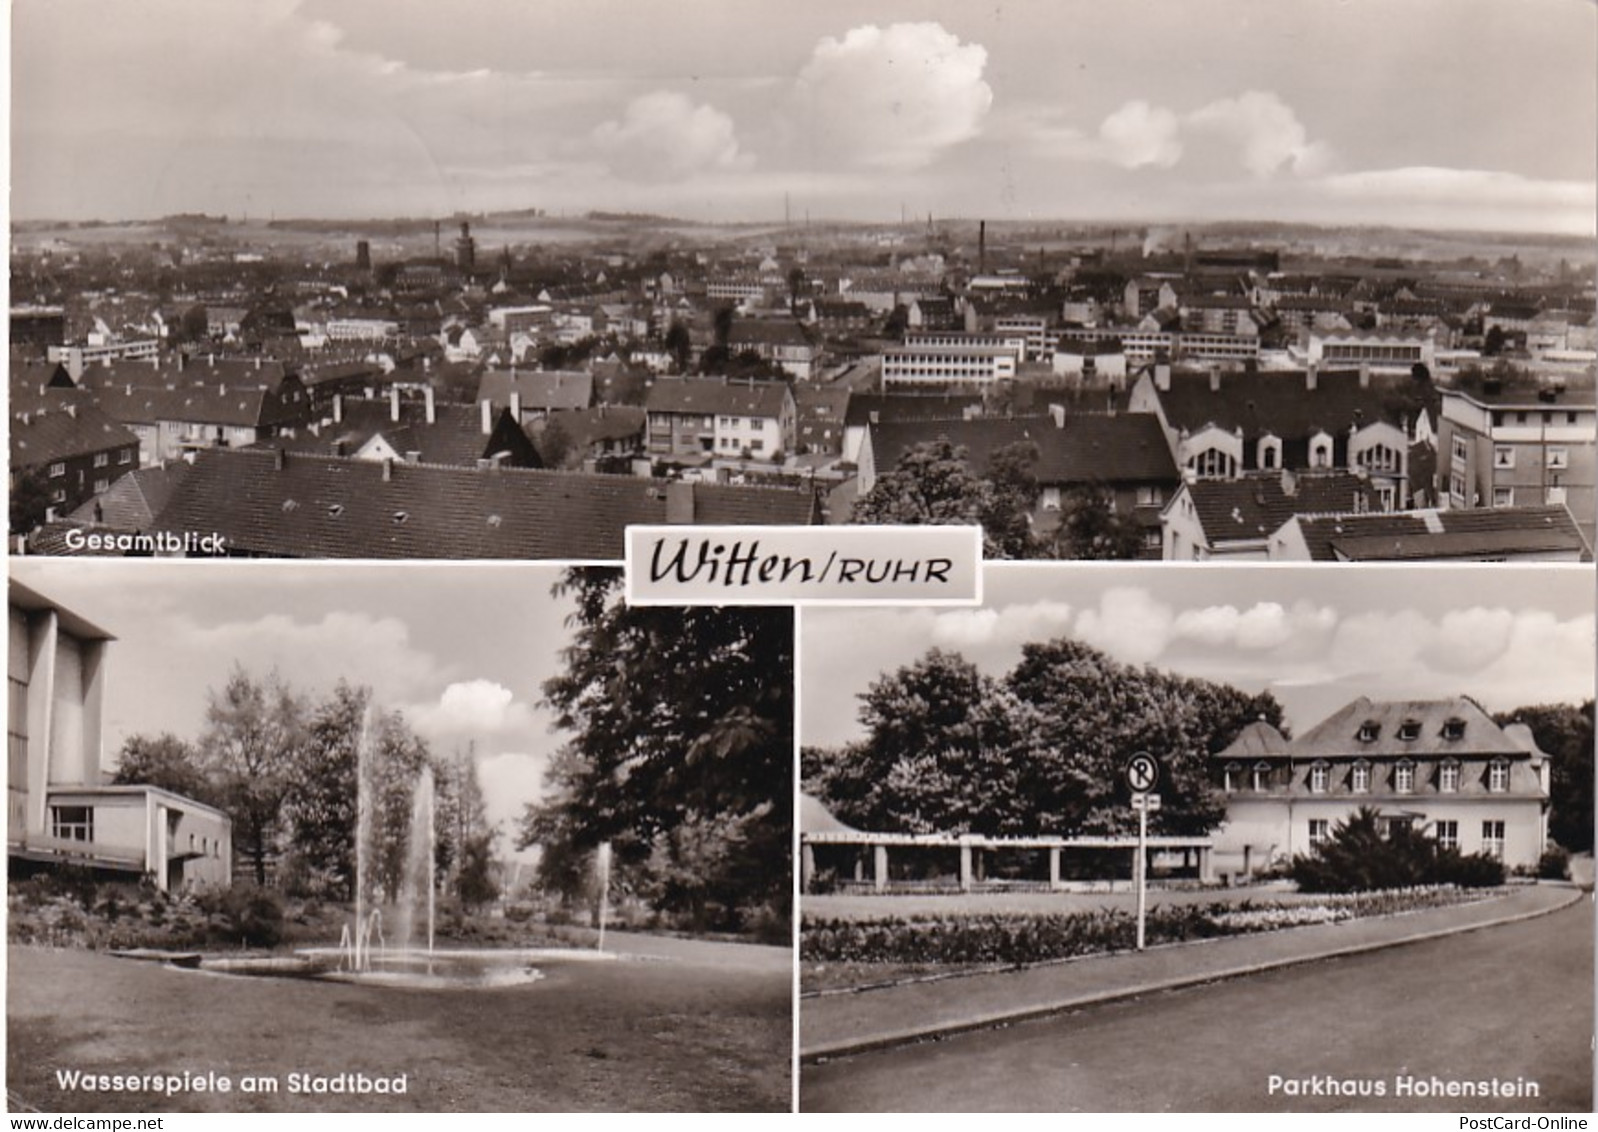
(1142, 775)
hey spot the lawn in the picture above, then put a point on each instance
(695, 1027)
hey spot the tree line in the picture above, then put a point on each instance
(1040, 749)
(283, 766)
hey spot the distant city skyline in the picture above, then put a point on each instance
(1446, 114)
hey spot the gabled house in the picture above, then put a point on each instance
(1235, 518)
(70, 450)
(714, 417)
(1440, 767)
(1223, 426)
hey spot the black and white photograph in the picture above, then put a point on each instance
(1260, 839)
(1153, 280)
(403, 839)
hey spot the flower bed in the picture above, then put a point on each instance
(1016, 940)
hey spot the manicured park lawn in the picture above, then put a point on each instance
(696, 1027)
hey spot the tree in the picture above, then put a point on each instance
(679, 717)
(31, 500)
(1565, 732)
(252, 735)
(940, 756)
(1090, 528)
(320, 803)
(1091, 713)
(1039, 751)
(933, 484)
(165, 762)
(1364, 854)
(1494, 342)
(680, 345)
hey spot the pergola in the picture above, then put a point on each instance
(1196, 853)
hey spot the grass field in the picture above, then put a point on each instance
(698, 1027)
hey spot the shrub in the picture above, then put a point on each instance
(1554, 864)
(1358, 857)
(250, 915)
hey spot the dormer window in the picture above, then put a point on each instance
(1404, 776)
(1454, 730)
(1261, 775)
(1319, 776)
(1231, 773)
(1498, 776)
(1360, 779)
(1448, 776)
(1369, 731)
(1409, 730)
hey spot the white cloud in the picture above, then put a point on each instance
(890, 98)
(1129, 624)
(1267, 131)
(1262, 626)
(1139, 134)
(510, 780)
(664, 135)
(1010, 627)
(1469, 639)
(314, 655)
(473, 708)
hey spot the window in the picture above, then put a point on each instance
(1447, 834)
(1229, 776)
(1492, 838)
(1404, 776)
(1360, 780)
(1498, 776)
(125, 456)
(1503, 497)
(1558, 458)
(1503, 456)
(1369, 730)
(101, 485)
(1448, 777)
(1319, 776)
(1454, 730)
(1150, 497)
(1261, 776)
(1051, 499)
(1320, 831)
(101, 459)
(72, 823)
(1320, 453)
(1409, 730)
(1461, 449)
(58, 470)
(1456, 487)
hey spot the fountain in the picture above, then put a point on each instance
(364, 955)
(602, 864)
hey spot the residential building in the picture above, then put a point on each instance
(59, 811)
(716, 418)
(781, 341)
(1515, 440)
(1507, 534)
(1235, 518)
(1442, 768)
(71, 450)
(942, 367)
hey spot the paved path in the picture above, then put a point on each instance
(1416, 1028)
(838, 1024)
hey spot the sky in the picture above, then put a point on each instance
(462, 651)
(1315, 637)
(1425, 113)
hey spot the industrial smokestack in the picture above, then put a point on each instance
(982, 247)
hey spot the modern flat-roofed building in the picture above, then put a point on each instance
(58, 809)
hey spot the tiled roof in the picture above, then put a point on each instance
(274, 505)
(742, 399)
(1126, 448)
(1282, 403)
(1254, 506)
(607, 422)
(1519, 389)
(539, 389)
(134, 500)
(40, 438)
(864, 408)
(767, 332)
(1463, 534)
(1339, 733)
(1256, 741)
